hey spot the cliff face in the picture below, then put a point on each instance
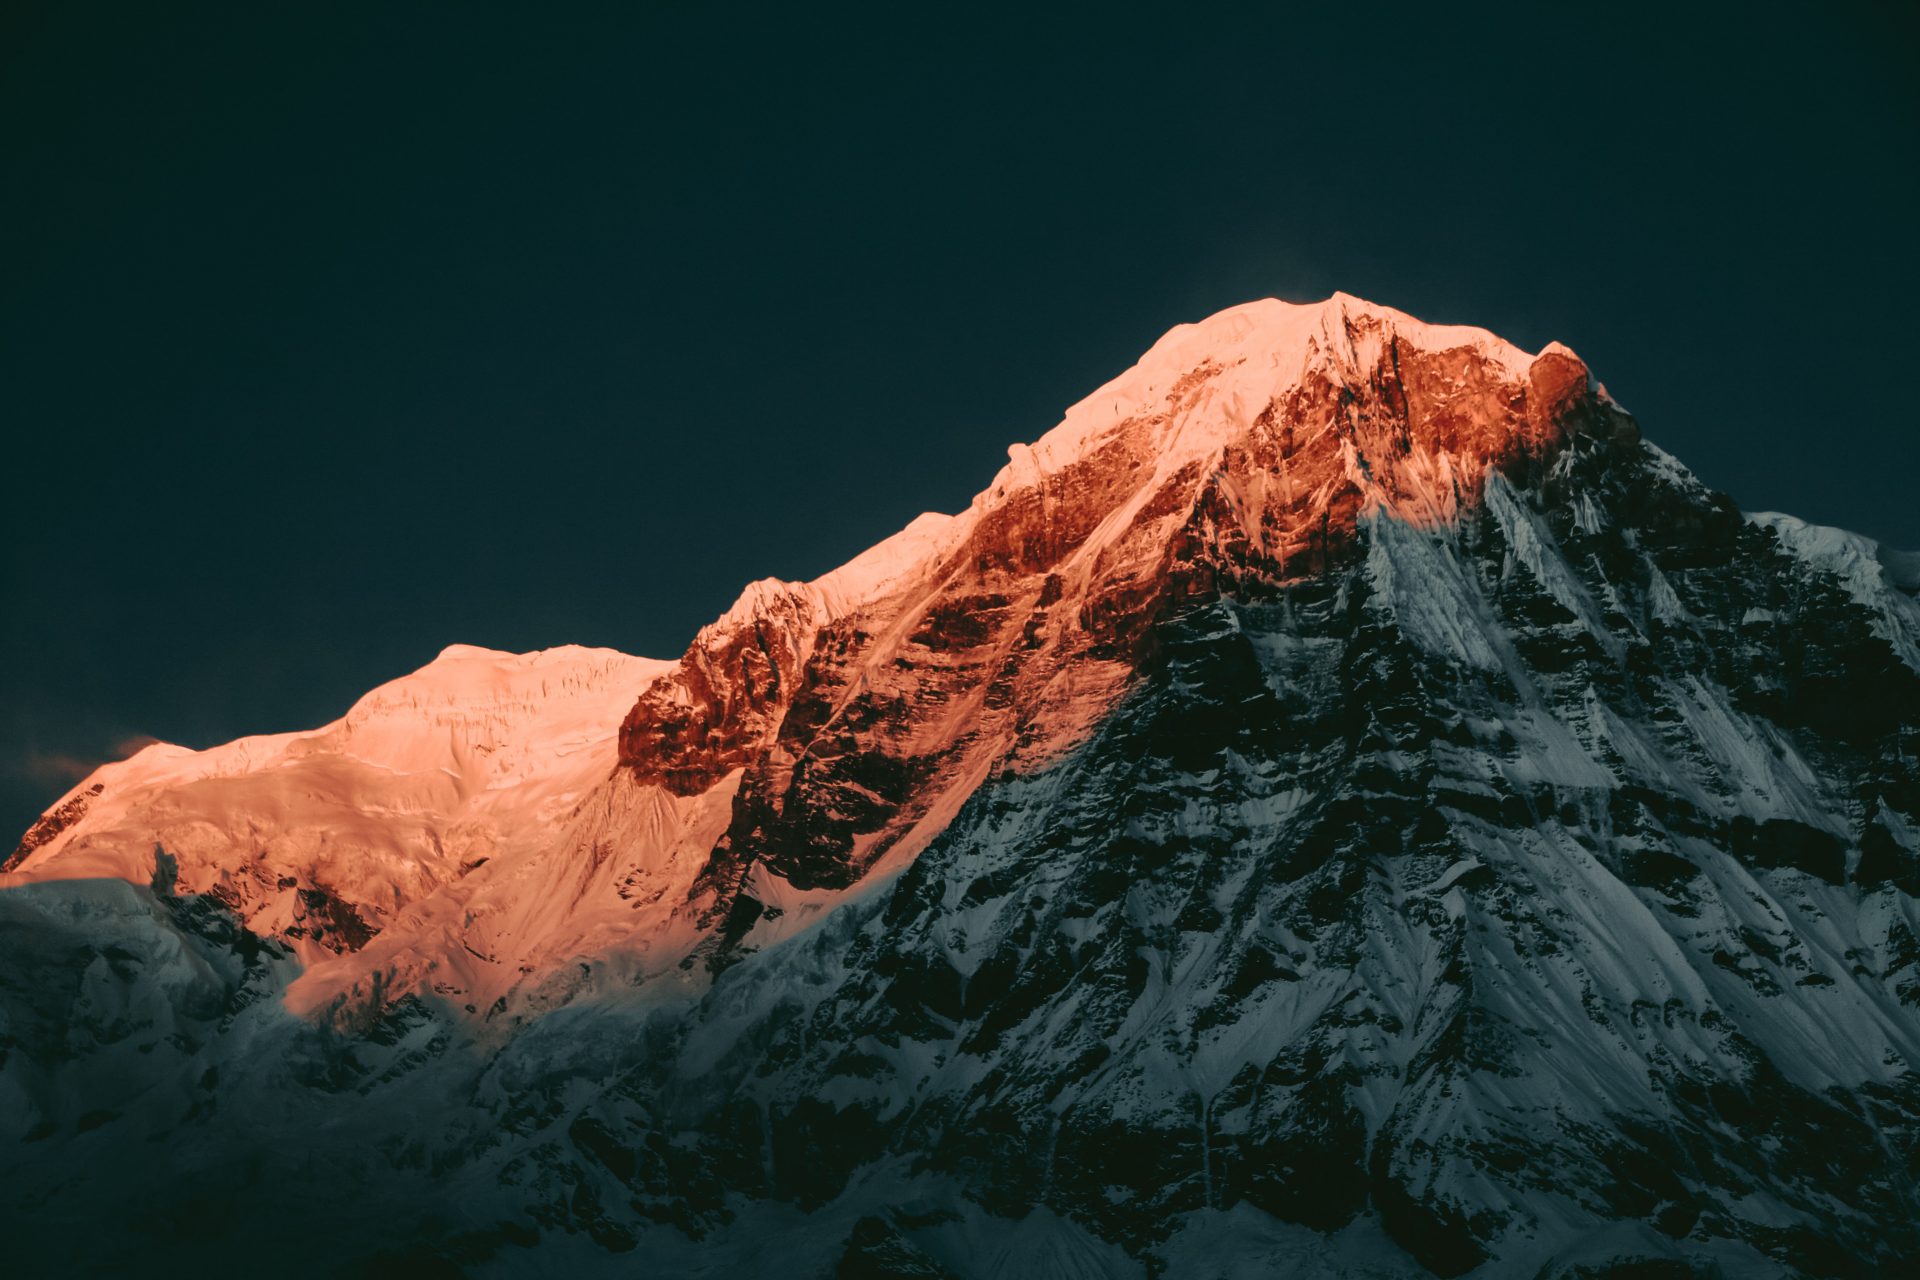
(1341, 803)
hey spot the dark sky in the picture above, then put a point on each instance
(332, 334)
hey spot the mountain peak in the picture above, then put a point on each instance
(1202, 388)
(1252, 353)
(1240, 452)
(1340, 773)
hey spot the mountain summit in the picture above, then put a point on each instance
(1339, 803)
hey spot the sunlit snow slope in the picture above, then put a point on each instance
(1340, 803)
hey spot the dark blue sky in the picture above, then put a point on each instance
(333, 334)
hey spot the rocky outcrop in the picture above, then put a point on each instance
(52, 823)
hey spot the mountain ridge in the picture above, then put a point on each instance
(1342, 798)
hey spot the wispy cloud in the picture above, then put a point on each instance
(55, 768)
(61, 769)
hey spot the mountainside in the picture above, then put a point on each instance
(1341, 803)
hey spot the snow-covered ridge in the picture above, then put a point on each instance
(1342, 779)
(499, 716)
(1256, 432)
(482, 755)
(1265, 348)
(1879, 577)
(1244, 449)
(476, 752)
(1260, 350)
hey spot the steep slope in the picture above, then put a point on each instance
(825, 725)
(1517, 945)
(393, 849)
(863, 706)
(1340, 802)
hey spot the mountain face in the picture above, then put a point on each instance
(1341, 803)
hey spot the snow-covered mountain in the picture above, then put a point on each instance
(1340, 803)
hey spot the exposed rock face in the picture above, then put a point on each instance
(52, 823)
(726, 700)
(1340, 804)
